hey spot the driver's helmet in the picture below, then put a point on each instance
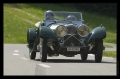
(71, 18)
(49, 15)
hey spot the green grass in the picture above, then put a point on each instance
(16, 32)
(20, 14)
(110, 54)
(15, 29)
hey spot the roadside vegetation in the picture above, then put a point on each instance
(110, 54)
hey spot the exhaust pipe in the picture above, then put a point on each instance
(50, 45)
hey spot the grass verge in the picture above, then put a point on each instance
(110, 54)
(15, 29)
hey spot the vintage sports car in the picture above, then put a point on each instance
(62, 36)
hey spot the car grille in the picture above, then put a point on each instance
(72, 40)
(72, 29)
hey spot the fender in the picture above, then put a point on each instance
(46, 32)
(98, 32)
(31, 36)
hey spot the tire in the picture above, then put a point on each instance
(43, 50)
(28, 37)
(84, 56)
(99, 50)
(32, 54)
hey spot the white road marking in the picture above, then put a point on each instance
(15, 54)
(24, 58)
(43, 65)
(16, 50)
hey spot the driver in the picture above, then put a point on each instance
(49, 15)
(71, 18)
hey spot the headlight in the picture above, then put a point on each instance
(83, 30)
(61, 30)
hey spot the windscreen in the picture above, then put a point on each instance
(63, 16)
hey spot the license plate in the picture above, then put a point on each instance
(73, 49)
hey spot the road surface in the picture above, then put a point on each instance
(17, 62)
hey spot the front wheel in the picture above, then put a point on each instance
(99, 50)
(84, 56)
(43, 50)
(32, 54)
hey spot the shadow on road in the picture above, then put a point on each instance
(73, 61)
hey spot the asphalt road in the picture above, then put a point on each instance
(16, 62)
